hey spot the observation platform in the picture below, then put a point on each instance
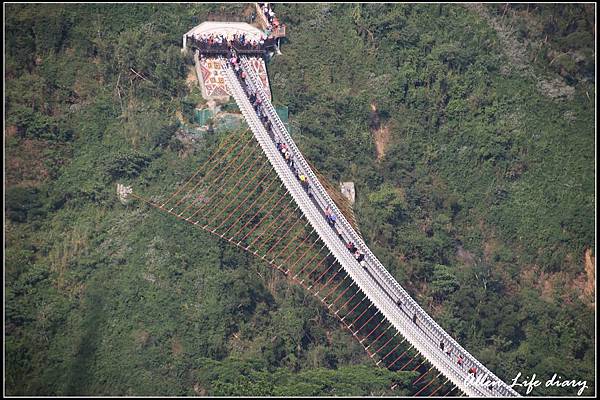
(256, 42)
(208, 68)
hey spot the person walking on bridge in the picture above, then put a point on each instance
(351, 247)
(304, 181)
(360, 257)
(473, 371)
(331, 220)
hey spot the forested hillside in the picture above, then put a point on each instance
(469, 134)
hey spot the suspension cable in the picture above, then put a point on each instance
(205, 164)
(258, 212)
(252, 205)
(221, 187)
(207, 174)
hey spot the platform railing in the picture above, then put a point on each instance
(224, 48)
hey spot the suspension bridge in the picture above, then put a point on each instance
(249, 193)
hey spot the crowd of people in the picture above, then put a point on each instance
(256, 102)
(329, 214)
(273, 24)
(358, 255)
(459, 361)
(240, 41)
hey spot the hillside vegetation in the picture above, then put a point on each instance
(469, 134)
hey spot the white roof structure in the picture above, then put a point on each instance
(226, 29)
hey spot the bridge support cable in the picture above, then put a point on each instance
(221, 185)
(426, 337)
(317, 267)
(371, 283)
(452, 389)
(325, 278)
(390, 365)
(391, 351)
(291, 253)
(379, 337)
(428, 384)
(205, 180)
(257, 224)
(422, 376)
(323, 274)
(275, 232)
(370, 329)
(275, 219)
(439, 387)
(341, 322)
(408, 362)
(373, 330)
(308, 248)
(331, 278)
(274, 212)
(178, 214)
(258, 197)
(335, 287)
(333, 290)
(156, 205)
(419, 366)
(366, 323)
(215, 211)
(372, 313)
(341, 294)
(199, 201)
(358, 290)
(355, 306)
(309, 262)
(323, 286)
(360, 316)
(237, 207)
(285, 235)
(388, 344)
(213, 155)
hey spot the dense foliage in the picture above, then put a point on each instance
(484, 186)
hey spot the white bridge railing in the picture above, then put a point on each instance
(375, 282)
